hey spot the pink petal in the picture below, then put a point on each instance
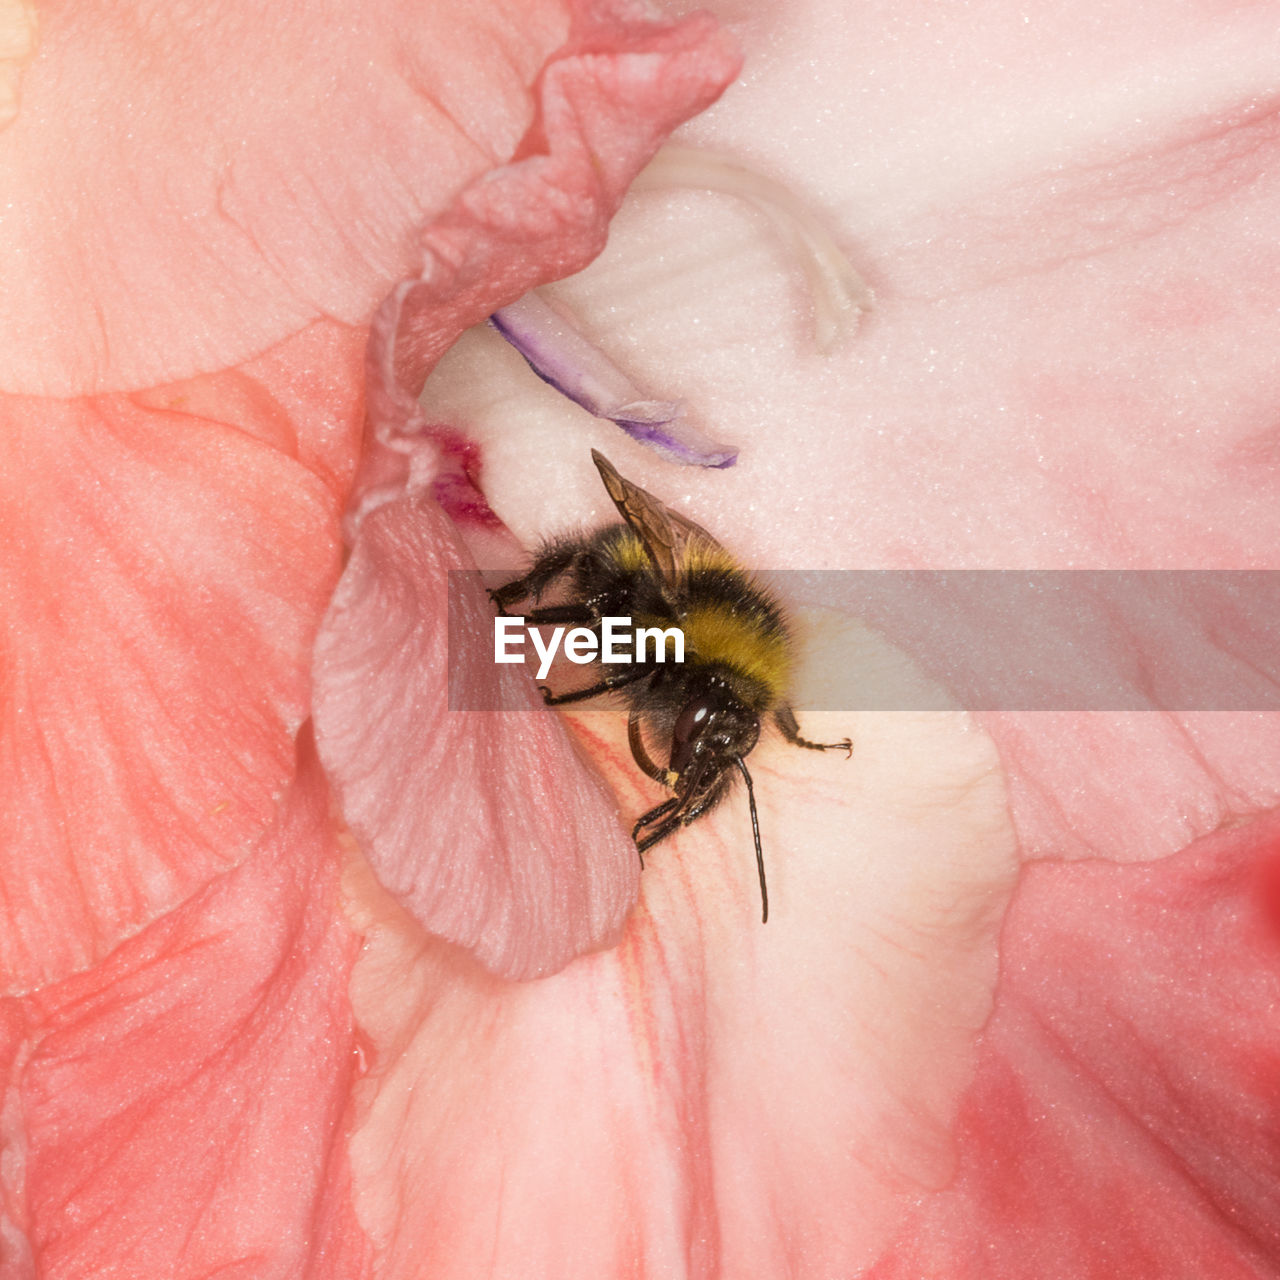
(183, 1102)
(485, 824)
(165, 574)
(714, 1095)
(1125, 1109)
(186, 187)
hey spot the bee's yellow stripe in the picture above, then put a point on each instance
(629, 554)
(700, 555)
(713, 633)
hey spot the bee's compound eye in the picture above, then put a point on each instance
(687, 736)
(691, 723)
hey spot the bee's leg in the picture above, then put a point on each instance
(553, 562)
(712, 798)
(679, 813)
(674, 817)
(640, 754)
(664, 829)
(616, 681)
(667, 810)
(785, 719)
(582, 615)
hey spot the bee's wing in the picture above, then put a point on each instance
(664, 533)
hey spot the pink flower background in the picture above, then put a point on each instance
(1012, 1013)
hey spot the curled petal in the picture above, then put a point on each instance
(483, 823)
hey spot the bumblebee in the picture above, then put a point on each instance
(661, 570)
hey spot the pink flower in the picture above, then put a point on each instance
(1009, 1015)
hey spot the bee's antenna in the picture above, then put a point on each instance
(755, 831)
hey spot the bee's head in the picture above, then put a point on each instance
(714, 729)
